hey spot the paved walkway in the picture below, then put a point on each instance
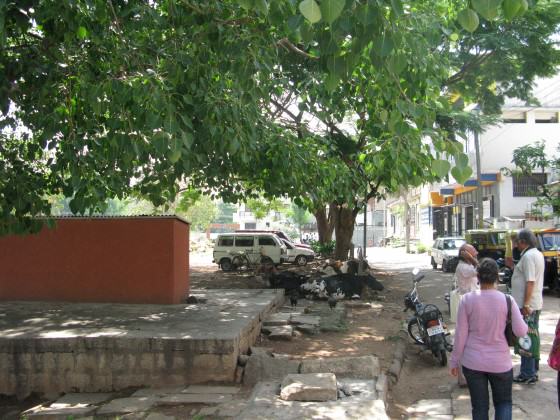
(537, 401)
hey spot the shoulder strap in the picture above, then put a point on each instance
(509, 308)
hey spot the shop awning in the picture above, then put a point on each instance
(438, 200)
(469, 185)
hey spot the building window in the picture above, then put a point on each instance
(514, 117)
(528, 185)
(546, 117)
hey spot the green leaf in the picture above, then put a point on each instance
(397, 63)
(246, 4)
(310, 10)
(383, 45)
(524, 7)
(461, 175)
(397, 7)
(454, 37)
(331, 9)
(487, 8)
(511, 8)
(331, 82)
(261, 6)
(462, 160)
(441, 167)
(82, 32)
(468, 19)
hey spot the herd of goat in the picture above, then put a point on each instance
(330, 283)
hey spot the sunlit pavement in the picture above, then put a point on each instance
(537, 401)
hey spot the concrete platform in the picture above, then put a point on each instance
(49, 348)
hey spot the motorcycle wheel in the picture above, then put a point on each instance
(414, 331)
(442, 358)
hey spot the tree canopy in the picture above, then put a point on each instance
(322, 101)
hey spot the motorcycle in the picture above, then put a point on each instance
(426, 326)
(505, 274)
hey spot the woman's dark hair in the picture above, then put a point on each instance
(487, 270)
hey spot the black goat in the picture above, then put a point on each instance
(351, 284)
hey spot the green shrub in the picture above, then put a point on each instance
(325, 249)
(421, 248)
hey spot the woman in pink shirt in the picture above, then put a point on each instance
(480, 344)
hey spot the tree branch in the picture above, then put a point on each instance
(287, 44)
(475, 62)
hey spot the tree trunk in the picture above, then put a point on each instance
(345, 219)
(325, 223)
(406, 222)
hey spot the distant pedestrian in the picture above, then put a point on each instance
(465, 277)
(554, 358)
(526, 288)
(481, 347)
(465, 280)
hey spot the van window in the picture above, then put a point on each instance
(225, 241)
(266, 240)
(244, 240)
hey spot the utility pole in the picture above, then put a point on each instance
(480, 210)
(365, 228)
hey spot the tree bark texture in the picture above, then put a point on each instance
(325, 223)
(344, 228)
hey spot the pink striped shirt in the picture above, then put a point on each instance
(480, 343)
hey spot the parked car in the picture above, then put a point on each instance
(278, 233)
(297, 255)
(255, 246)
(445, 252)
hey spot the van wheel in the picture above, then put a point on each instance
(444, 266)
(226, 264)
(301, 260)
(434, 265)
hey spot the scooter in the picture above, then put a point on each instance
(426, 326)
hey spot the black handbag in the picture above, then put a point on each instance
(510, 337)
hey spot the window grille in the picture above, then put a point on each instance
(528, 185)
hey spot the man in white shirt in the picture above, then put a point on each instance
(526, 288)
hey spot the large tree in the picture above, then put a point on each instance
(329, 102)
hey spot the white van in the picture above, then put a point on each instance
(297, 255)
(255, 246)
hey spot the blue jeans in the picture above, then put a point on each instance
(500, 383)
(529, 365)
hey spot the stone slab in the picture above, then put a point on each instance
(278, 318)
(159, 416)
(209, 389)
(158, 392)
(58, 413)
(265, 368)
(433, 407)
(360, 367)
(334, 410)
(266, 393)
(281, 333)
(180, 399)
(126, 405)
(307, 329)
(306, 319)
(83, 398)
(309, 387)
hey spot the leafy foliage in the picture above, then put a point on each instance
(532, 158)
(320, 101)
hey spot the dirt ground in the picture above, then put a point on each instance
(370, 331)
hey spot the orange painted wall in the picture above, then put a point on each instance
(125, 260)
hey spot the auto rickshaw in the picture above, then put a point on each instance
(490, 243)
(549, 245)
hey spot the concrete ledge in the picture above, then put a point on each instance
(51, 348)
